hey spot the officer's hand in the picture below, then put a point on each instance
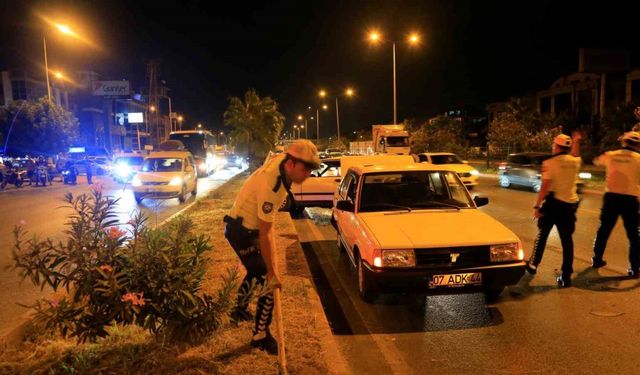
(274, 280)
(536, 213)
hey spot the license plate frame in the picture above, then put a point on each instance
(455, 280)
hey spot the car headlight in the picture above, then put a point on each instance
(176, 181)
(123, 170)
(585, 175)
(398, 258)
(474, 172)
(507, 252)
(136, 181)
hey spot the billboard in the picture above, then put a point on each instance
(131, 118)
(110, 88)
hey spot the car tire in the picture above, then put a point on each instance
(504, 181)
(536, 188)
(183, 194)
(138, 197)
(366, 288)
(194, 192)
(493, 294)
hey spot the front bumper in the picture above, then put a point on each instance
(157, 191)
(417, 280)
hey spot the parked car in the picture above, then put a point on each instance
(524, 169)
(468, 174)
(415, 227)
(166, 174)
(101, 164)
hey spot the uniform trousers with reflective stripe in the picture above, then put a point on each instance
(615, 205)
(256, 270)
(563, 216)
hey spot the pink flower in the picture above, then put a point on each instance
(106, 268)
(114, 233)
(97, 187)
(22, 222)
(54, 303)
(136, 299)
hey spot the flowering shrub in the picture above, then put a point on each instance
(127, 274)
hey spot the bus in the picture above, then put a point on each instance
(201, 144)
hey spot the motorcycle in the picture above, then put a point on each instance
(70, 175)
(13, 176)
(41, 176)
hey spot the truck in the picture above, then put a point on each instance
(390, 139)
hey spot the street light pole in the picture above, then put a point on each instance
(317, 126)
(395, 108)
(338, 119)
(46, 67)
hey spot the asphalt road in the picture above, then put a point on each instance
(534, 328)
(39, 208)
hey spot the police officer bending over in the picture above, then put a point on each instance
(620, 199)
(559, 193)
(249, 230)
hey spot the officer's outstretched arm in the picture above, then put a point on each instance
(268, 249)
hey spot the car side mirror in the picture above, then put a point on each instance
(481, 201)
(345, 205)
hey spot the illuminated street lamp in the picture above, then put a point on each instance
(295, 128)
(348, 93)
(413, 39)
(152, 108)
(180, 119)
(305, 130)
(64, 29)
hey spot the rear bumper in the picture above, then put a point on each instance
(417, 280)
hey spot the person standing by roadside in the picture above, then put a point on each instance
(620, 199)
(249, 230)
(557, 203)
(88, 166)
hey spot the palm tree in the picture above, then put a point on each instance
(256, 123)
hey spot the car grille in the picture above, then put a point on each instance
(466, 174)
(155, 183)
(469, 256)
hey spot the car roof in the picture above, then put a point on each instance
(374, 168)
(437, 153)
(169, 154)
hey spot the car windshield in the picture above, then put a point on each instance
(446, 159)
(537, 160)
(162, 165)
(409, 190)
(130, 160)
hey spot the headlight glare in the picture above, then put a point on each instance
(136, 181)
(176, 181)
(474, 172)
(398, 258)
(585, 175)
(506, 253)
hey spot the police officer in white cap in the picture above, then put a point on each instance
(249, 230)
(557, 203)
(620, 199)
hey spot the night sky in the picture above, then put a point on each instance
(472, 52)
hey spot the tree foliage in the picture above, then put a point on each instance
(440, 134)
(256, 123)
(39, 127)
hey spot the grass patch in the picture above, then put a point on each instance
(131, 350)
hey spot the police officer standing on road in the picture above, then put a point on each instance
(621, 199)
(249, 230)
(559, 193)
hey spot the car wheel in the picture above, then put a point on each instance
(504, 181)
(536, 188)
(492, 294)
(138, 197)
(194, 192)
(183, 194)
(365, 287)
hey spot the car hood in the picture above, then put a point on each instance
(458, 168)
(158, 176)
(436, 228)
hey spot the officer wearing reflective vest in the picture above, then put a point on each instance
(557, 203)
(249, 230)
(620, 199)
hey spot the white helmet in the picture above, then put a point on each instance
(631, 136)
(562, 140)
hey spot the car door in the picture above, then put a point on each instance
(347, 221)
(515, 170)
(190, 173)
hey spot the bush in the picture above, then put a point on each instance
(136, 275)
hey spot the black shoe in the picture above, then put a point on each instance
(564, 281)
(634, 273)
(530, 268)
(598, 263)
(267, 344)
(240, 314)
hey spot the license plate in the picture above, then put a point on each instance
(150, 190)
(455, 280)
